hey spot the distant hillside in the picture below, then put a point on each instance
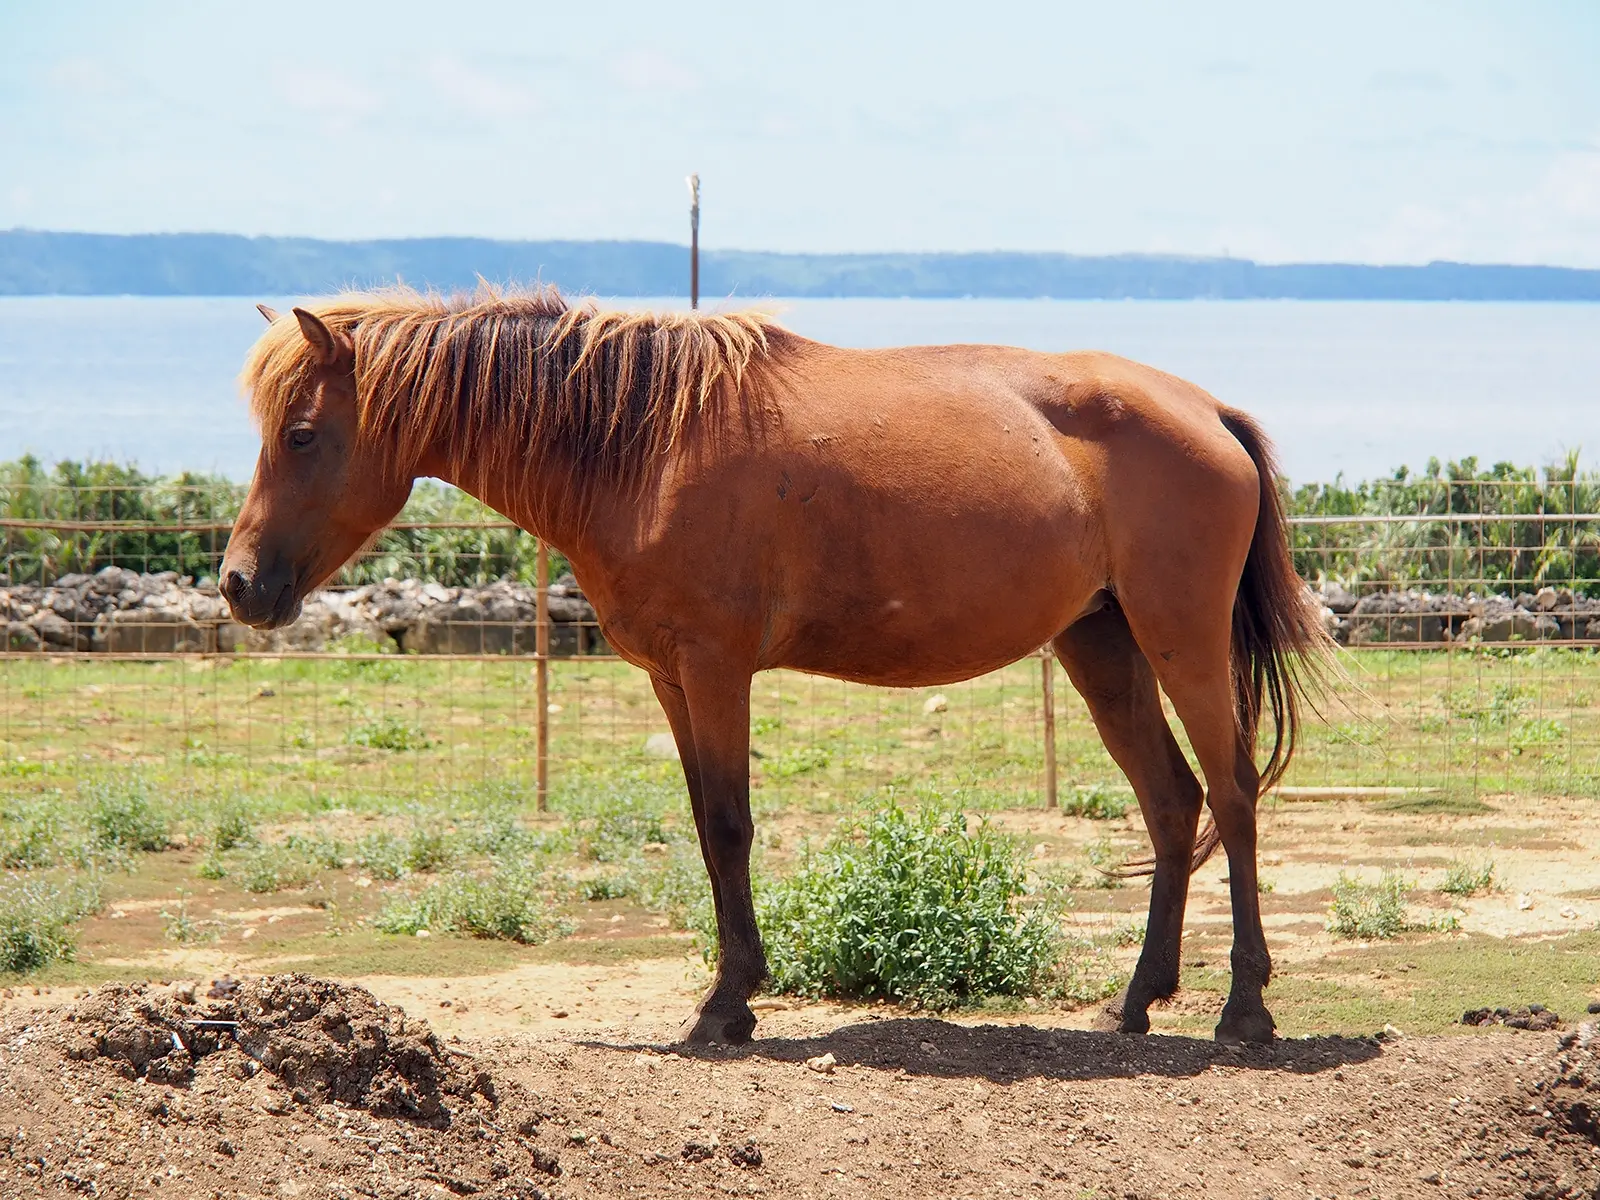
(194, 264)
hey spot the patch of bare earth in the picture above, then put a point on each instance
(294, 1086)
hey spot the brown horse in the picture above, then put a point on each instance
(734, 498)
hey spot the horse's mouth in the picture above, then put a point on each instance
(285, 610)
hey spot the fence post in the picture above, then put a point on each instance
(541, 673)
(1047, 663)
(694, 241)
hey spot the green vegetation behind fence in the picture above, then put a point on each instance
(106, 514)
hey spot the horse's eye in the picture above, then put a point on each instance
(301, 436)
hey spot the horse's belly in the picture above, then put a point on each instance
(977, 616)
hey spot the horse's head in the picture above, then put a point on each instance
(319, 493)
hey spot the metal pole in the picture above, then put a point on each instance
(694, 241)
(1047, 675)
(541, 674)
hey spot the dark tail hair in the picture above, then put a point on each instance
(1281, 650)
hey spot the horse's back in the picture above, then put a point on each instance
(926, 514)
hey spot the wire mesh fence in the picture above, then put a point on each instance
(1469, 611)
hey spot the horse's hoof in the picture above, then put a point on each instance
(1252, 1028)
(1115, 1017)
(722, 1026)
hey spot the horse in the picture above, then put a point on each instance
(734, 498)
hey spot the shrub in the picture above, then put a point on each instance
(274, 868)
(316, 849)
(1465, 878)
(37, 919)
(1096, 802)
(619, 827)
(122, 817)
(1370, 911)
(428, 849)
(231, 827)
(511, 903)
(613, 885)
(909, 908)
(1540, 731)
(388, 732)
(381, 855)
(676, 886)
(31, 835)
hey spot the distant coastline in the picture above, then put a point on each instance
(42, 263)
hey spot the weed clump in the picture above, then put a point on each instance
(511, 903)
(1466, 878)
(274, 869)
(1096, 802)
(231, 827)
(389, 732)
(37, 922)
(912, 908)
(31, 834)
(1369, 911)
(123, 818)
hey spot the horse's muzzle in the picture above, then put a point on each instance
(260, 602)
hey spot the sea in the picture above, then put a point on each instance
(1351, 389)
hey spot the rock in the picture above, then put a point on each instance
(55, 631)
(151, 631)
(823, 1064)
(1409, 617)
(20, 636)
(662, 745)
(1518, 625)
(1334, 597)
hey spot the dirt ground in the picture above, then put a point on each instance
(290, 1086)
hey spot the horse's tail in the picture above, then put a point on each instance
(1281, 649)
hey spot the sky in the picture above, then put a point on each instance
(1399, 131)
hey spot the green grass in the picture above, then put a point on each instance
(332, 735)
(1426, 984)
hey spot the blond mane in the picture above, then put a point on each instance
(498, 379)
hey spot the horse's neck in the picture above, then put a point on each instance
(536, 500)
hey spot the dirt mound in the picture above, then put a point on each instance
(323, 1040)
(303, 1078)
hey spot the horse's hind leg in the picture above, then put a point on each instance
(1114, 678)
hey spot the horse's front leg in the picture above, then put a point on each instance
(710, 715)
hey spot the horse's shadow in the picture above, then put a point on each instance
(1010, 1053)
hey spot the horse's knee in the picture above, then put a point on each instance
(729, 835)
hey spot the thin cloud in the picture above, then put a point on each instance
(652, 71)
(478, 91)
(342, 101)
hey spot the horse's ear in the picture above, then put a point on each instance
(328, 346)
(271, 314)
